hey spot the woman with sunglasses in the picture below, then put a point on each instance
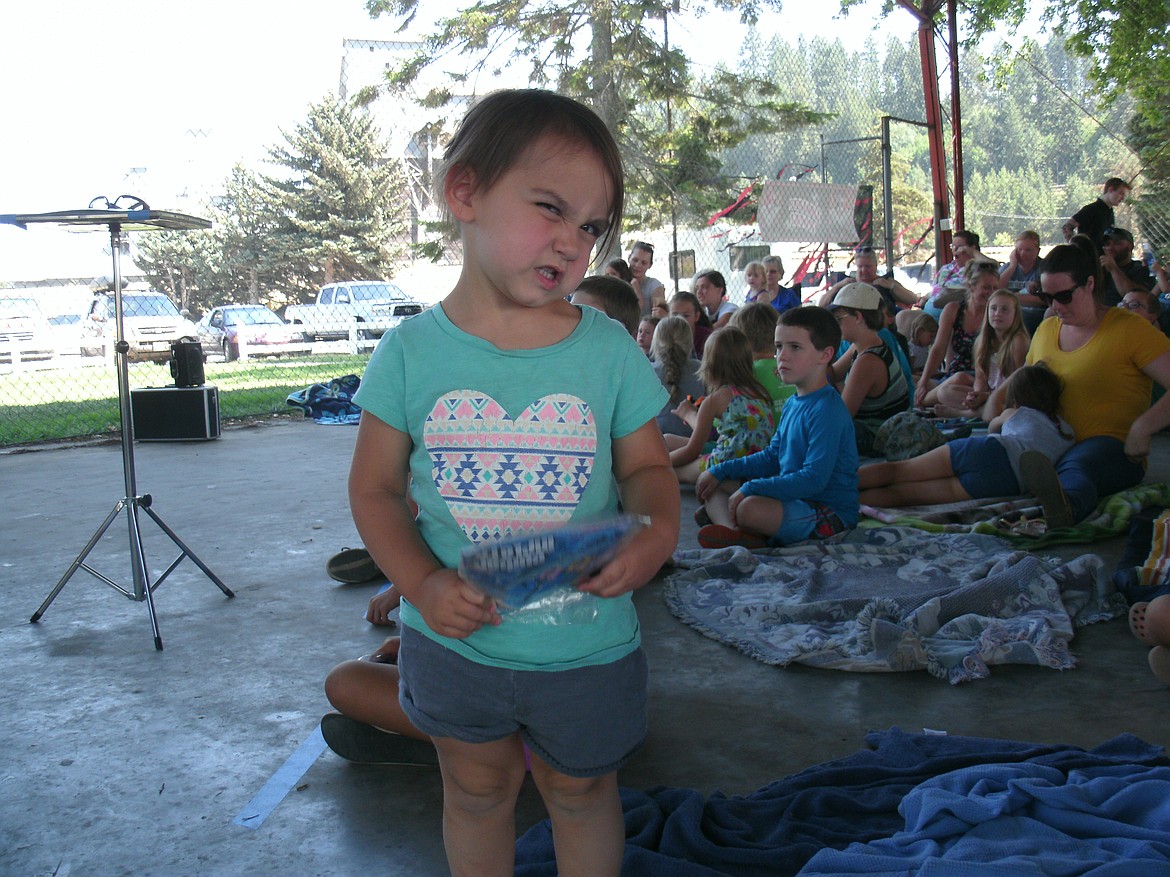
(1109, 359)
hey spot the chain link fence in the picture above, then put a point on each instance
(273, 322)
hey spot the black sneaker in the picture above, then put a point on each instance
(1040, 479)
(352, 566)
(364, 744)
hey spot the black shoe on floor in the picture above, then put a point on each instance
(1040, 478)
(352, 566)
(364, 744)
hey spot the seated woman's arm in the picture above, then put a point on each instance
(938, 351)
(1156, 417)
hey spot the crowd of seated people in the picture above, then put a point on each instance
(1093, 316)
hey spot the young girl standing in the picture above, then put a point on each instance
(981, 466)
(1000, 348)
(489, 410)
(737, 407)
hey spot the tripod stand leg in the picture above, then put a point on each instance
(79, 560)
(142, 586)
(187, 551)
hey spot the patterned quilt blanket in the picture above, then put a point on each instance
(1018, 519)
(894, 598)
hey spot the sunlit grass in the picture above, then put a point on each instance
(76, 401)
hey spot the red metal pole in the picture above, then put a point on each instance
(933, 107)
(956, 114)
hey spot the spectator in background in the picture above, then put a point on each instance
(1092, 219)
(614, 298)
(1120, 270)
(620, 269)
(650, 289)
(678, 369)
(948, 281)
(757, 321)
(645, 336)
(686, 305)
(781, 297)
(865, 262)
(756, 278)
(1021, 275)
(711, 290)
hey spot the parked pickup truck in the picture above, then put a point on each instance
(370, 307)
(150, 322)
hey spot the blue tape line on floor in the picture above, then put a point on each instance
(282, 782)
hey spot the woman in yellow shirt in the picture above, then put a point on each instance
(1108, 359)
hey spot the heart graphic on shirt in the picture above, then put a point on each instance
(503, 477)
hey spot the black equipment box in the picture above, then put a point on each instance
(175, 414)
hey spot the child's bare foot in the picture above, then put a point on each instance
(387, 653)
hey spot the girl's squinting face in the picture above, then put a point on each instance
(610, 271)
(924, 337)
(755, 279)
(530, 236)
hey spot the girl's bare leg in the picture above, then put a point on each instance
(480, 785)
(939, 490)
(920, 480)
(588, 827)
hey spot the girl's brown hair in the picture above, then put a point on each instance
(727, 362)
(503, 125)
(672, 345)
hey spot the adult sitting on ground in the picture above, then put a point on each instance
(1108, 359)
(958, 328)
(865, 264)
(710, 288)
(1120, 271)
(1021, 275)
(872, 382)
(780, 297)
(949, 279)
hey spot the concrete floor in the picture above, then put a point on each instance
(120, 759)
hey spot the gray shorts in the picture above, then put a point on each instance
(585, 722)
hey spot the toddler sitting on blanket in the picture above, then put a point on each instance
(981, 466)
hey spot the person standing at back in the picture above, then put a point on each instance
(1092, 219)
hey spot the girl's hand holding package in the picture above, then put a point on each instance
(451, 607)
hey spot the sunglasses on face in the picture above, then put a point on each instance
(1063, 297)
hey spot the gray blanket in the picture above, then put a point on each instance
(894, 598)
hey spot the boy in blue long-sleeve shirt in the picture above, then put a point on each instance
(804, 485)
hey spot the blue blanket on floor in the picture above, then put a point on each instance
(1059, 792)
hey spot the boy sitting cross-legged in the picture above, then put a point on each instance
(804, 485)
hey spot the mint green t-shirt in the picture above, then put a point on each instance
(765, 371)
(508, 442)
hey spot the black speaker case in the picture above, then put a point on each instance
(175, 414)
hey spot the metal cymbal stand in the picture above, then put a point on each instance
(142, 588)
